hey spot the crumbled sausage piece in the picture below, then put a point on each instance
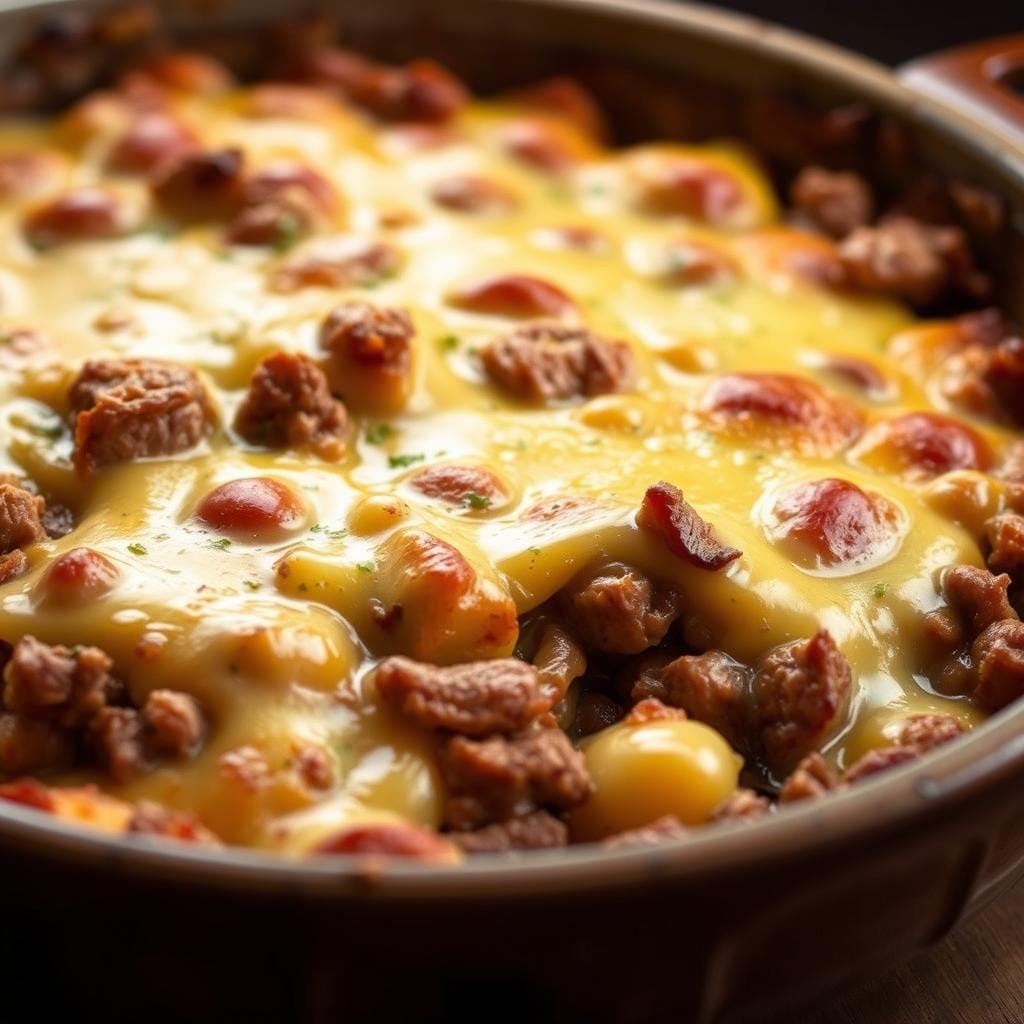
(494, 779)
(987, 380)
(550, 362)
(619, 610)
(370, 353)
(801, 690)
(336, 263)
(391, 839)
(128, 409)
(288, 404)
(463, 486)
(82, 215)
(536, 831)
(913, 261)
(927, 731)
(658, 831)
(20, 523)
(12, 565)
(502, 695)
(29, 744)
(28, 792)
(1004, 534)
(813, 777)
(150, 819)
(997, 657)
(670, 517)
(466, 194)
(70, 685)
(205, 185)
(172, 723)
(315, 767)
(151, 141)
(279, 203)
(837, 202)
(977, 596)
(711, 688)
(115, 736)
(880, 759)
(245, 768)
(743, 805)
(650, 709)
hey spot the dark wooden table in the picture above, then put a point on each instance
(976, 976)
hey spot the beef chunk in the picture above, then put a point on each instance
(711, 688)
(669, 516)
(288, 404)
(68, 685)
(812, 778)
(492, 780)
(836, 202)
(997, 657)
(911, 260)
(988, 380)
(552, 362)
(476, 698)
(619, 610)
(927, 731)
(880, 759)
(801, 691)
(536, 831)
(977, 596)
(743, 805)
(129, 409)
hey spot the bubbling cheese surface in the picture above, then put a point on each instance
(274, 637)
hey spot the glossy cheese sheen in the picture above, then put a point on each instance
(275, 636)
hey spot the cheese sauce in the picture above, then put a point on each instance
(274, 636)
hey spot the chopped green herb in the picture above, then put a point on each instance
(366, 567)
(137, 549)
(378, 433)
(475, 500)
(534, 551)
(879, 590)
(403, 461)
(221, 544)
(50, 428)
(250, 584)
(289, 227)
(75, 650)
(448, 342)
(327, 532)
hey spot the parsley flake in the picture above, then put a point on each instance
(475, 500)
(137, 549)
(378, 433)
(221, 544)
(404, 461)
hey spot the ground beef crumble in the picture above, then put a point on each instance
(538, 830)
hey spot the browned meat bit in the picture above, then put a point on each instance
(550, 362)
(150, 819)
(669, 516)
(743, 805)
(913, 261)
(466, 194)
(370, 353)
(391, 839)
(711, 688)
(1004, 535)
(315, 767)
(836, 202)
(288, 404)
(205, 185)
(658, 831)
(152, 141)
(32, 745)
(977, 596)
(70, 685)
(801, 690)
(997, 656)
(188, 72)
(20, 522)
(115, 738)
(336, 263)
(82, 215)
(495, 779)
(618, 610)
(812, 778)
(27, 792)
(880, 759)
(419, 91)
(987, 379)
(927, 731)
(476, 698)
(280, 203)
(650, 709)
(172, 723)
(128, 409)
(536, 831)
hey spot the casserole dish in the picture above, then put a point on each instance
(742, 900)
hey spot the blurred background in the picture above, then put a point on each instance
(891, 30)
